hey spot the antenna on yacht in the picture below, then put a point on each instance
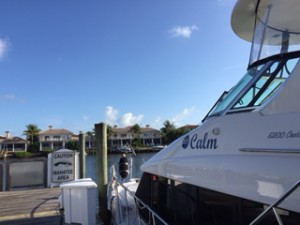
(285, 42)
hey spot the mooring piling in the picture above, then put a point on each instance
(82, 154)
(101, 157)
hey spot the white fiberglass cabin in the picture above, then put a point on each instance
(242, 164)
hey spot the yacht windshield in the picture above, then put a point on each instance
(276, 32)
(227, 98)
(255, 87)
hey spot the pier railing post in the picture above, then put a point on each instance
(101, 156)
(82, 154)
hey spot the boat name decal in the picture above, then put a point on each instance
(284, 134)
(196, 142)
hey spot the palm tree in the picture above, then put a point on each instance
(136, 129)
(168, 127)
(31, 133)
(168, 132)
(109, 130)
(91, 134)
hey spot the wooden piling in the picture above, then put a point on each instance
(82, 155)
(101, 156)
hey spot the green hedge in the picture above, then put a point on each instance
(47, 151)
(21, 154)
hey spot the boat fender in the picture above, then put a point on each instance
(123, 166)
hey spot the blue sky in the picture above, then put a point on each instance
(74, 63)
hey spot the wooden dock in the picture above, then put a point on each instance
(34, 207)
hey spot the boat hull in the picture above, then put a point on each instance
(257, 163)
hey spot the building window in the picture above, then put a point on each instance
(56, 138)
(46, 145)
(57, 145)
(47, 138)
(19, 147)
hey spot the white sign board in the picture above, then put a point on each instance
(63, 166)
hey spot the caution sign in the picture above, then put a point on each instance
(63, 166)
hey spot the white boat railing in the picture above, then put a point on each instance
(117, 181)
(275, 204)
(141, 205)
(153, 215)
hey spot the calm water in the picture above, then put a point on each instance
(112, 159)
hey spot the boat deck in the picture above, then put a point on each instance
(35, 206)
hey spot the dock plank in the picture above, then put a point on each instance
(34, 204)
(48, 220)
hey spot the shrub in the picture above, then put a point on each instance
(33, 147)
(136, 142)
(72, 145)
(46, 151)
(21, 154)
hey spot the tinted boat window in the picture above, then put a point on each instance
(267, 84)
(231, 95)
(181, 203)
(258, 85)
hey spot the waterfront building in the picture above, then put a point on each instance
(9, 143)
(188, 127)
(54, 138)
(58, 138)
(124, 136)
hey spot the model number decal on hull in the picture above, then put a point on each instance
(283, 134)
(196, 142)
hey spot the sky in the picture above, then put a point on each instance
(74, 63)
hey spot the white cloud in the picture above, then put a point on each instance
(157, 123)
(3, 47)
(85, 117)
(128, 119)
(184, 32)
(177, 120)
(111, 115)
(8, 97)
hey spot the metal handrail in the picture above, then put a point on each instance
(153, 214)
(275, 204)
(140, 203)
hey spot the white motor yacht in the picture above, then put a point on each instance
(242, 164)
